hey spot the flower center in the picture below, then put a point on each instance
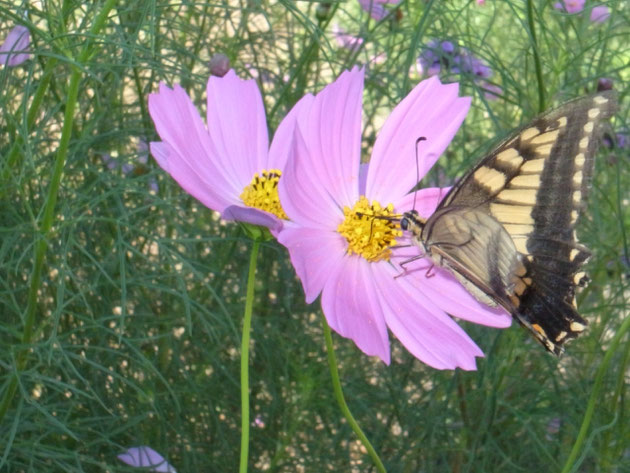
(262, 193)
(368, 233)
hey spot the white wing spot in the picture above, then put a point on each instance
(577, 327)
(599, 100)
(584, 142)
(580, 159)
(530, 133)
(593, 112)
(510, 157)
(533, 166)
(548, 137)
(531, 181)
(588, 128)
(489, 178)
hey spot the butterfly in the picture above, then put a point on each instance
(506, 230)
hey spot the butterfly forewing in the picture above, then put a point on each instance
(507, 229)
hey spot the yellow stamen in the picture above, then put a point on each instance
(368, 234)
(262, 193)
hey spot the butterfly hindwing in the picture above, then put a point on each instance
(507, 229)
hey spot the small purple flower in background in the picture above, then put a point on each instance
(445, 57)
(137, 168)
(14, 50)
(219, 65)
(600, 13)
(227, 164)
(145, 457)
(620, 140)
(376, 9)
(604, 83)
(467, 63)
(345, 40)
(110, 162)
(437, 55)
(481, 2)
(341, 251)
(553, 428)
(258, 422)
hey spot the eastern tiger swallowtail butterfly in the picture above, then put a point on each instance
(506, 230)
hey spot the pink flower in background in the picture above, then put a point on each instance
(14, 50)
(376, 9)
(600, 13)
(145, 457)
(227, 164)
(570, 6)
(345, 40)
(349, 257)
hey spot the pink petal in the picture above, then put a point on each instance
(303, 199)
(323, 175)
(146, 457)
(424, 201)
(352, 309)
(188, 176)
(425, 330)
(254, 216)
(315, 254)
(331, 128)
(431, 110)
(193, 154)
(282, 144)
(446, 292)
(16, 41)
(238, 126)
(600, 13)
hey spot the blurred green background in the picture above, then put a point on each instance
(138, 309)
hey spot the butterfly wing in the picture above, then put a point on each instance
(508, 227)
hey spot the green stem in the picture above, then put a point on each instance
(247, 324)
(334, 374)
(537, 64)
(49, 209)
(38, 97)
(595, 397)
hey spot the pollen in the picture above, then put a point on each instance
(262, 193)
(370, 229)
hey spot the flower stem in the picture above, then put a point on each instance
(247, 324)
(47, 219)
(537, 64)
(595, 397)
(334, 373)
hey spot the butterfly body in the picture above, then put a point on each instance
(506, 230)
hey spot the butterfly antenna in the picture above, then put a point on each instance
(422, 138)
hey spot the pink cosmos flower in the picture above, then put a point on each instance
(227, 164)
(349, 257)
(600, 13)
(146, 457)
(13, 51)
(570, 6)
